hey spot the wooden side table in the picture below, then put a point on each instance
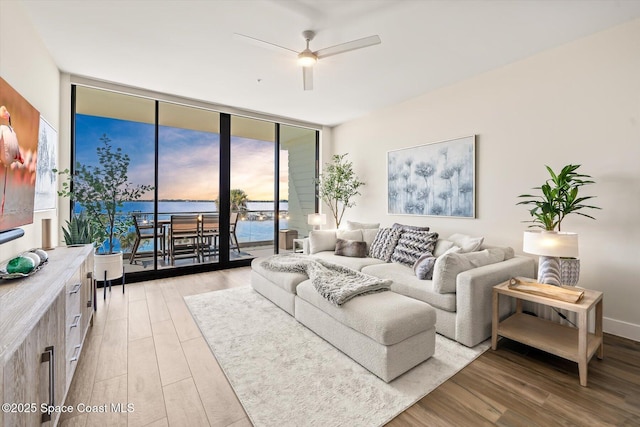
(301, 246)
(575, 344)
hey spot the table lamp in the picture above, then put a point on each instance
(316, 219)
(551, 246)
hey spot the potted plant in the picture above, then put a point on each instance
(559, 198)
(78, 230)
(101, 190)
(337, 185)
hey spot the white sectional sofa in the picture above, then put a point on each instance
(458, 299)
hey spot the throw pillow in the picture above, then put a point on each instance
(384, 243)
(423, 268)
(412, 244)
(322, 240)
(349, 234)
(369, 235)
(466, 243)
(351, 248)
(447, 267)
(442, 246)
(353, 225)
(404, 227)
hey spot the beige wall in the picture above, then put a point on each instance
(27, 66)
(579, 103)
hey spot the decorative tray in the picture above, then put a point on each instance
(10, 276)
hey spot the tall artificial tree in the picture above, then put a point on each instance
(338, 185)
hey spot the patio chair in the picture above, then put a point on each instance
(233, 239)
(145, 232)
(184, 237)
(209, 233)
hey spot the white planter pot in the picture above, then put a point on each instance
(109, 263)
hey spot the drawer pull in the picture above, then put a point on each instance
(76, 321)
(75, 289)
(49, 357)
(76, 353)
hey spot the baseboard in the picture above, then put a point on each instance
(621, 329)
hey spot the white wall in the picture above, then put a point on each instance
(579, 103)
(27, 66)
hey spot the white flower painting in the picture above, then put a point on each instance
(45, 197)
(434, 179)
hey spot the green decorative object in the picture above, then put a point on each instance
(337, 186)
(21, 264)
(559, 198)
(102, 190)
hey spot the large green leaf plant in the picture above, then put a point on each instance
(559, 198)
(338, 185)
(102, 191)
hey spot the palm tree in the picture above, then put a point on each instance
(239, 200)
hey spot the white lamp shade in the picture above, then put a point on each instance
(551, 244)
(316, 219)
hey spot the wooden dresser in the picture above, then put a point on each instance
(43, 322)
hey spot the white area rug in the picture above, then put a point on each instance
(285, 375)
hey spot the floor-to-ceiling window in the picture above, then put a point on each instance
(126, 123)
(223, 185)
(188, 184)
(298, 172)
(252, 194)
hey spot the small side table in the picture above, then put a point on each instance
(301, 246)
(575, 344)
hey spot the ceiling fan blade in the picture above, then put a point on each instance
(348, 46)
(307, 78)
(261, 43)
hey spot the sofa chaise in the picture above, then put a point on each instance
(454, 296)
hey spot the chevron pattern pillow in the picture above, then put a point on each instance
(384, 243)
(412, 244)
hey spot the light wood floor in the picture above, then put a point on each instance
(145, 349)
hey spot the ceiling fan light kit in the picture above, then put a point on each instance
(308, 58)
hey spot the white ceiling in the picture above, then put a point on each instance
(187, 48)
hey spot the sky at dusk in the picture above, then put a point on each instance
(188, 160)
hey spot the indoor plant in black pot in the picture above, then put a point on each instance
(101, 190)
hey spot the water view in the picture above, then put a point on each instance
(256, 225)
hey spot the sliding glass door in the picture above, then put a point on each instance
(225, 188)
(252, 191)
(188, 184)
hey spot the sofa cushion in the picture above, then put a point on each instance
(369, 235)
(353, 225)
(349, 234)
(466, 243)
(404, 282)
(386, 317)
(448, 266)
(287, 281)
(384, 243)
(508, 251)
(412, 244)
(351, 248)
(322, 240)
(442, 245)
(352, 263)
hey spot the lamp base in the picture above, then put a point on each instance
(570, 271)
(549, 271)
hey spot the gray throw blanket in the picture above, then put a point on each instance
(334, 282)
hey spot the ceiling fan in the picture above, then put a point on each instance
(307, 58)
